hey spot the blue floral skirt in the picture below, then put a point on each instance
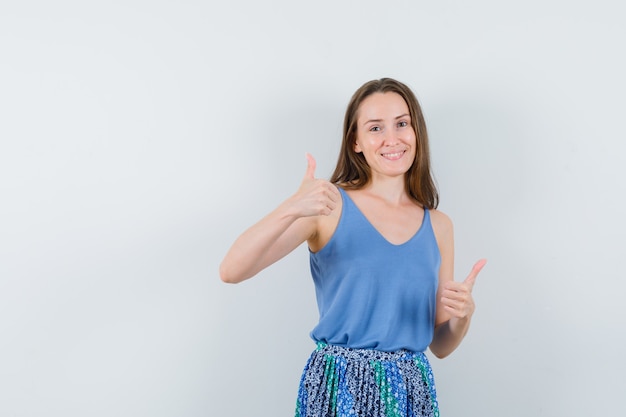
(345, 382)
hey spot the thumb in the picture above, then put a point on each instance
(310, 168)
(471, 278)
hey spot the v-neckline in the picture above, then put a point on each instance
(358, 209)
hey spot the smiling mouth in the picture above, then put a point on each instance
(393, 155)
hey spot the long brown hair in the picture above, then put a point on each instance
(353, 172)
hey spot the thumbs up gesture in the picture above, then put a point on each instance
(456, 297)
(315, 197)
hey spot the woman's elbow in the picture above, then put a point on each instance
(227, 276)
(438, 348)
(439, 354)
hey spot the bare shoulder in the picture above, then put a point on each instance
(440, 219)
(442, 226)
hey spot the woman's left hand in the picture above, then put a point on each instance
(457, 298)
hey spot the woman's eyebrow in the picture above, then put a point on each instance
(380, 120)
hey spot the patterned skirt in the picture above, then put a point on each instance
(345, 382)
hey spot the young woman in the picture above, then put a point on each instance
(381, 260)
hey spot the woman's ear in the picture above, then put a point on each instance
(357, 148)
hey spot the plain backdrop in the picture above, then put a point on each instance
(140, 138)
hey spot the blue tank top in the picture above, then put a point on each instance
(372, 294)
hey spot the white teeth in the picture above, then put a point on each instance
(393, 155)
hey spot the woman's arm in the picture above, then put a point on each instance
(280, 232)
(455, 304)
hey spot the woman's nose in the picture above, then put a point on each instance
(390, 137)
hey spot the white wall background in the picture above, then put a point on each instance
(139, 138)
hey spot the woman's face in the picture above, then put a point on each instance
(385, 135)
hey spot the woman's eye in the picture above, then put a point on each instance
(375, 129)
(403, 124)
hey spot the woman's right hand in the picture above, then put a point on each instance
(315, 197)
(282, 230)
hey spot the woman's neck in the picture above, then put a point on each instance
(392, 190)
